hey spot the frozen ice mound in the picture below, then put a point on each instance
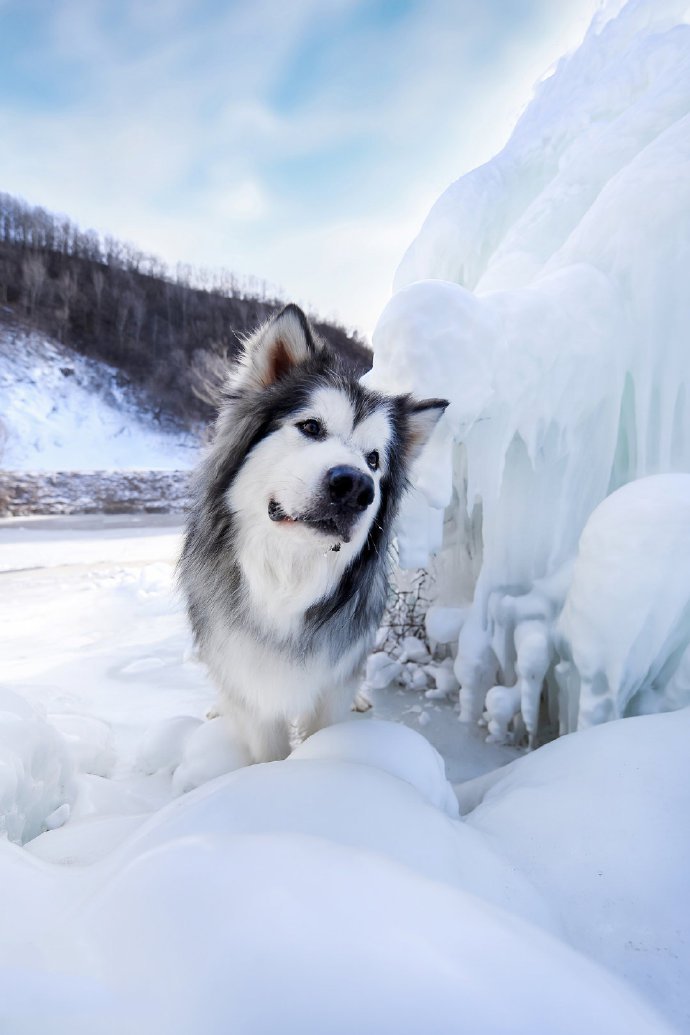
(37, 785)
(625, 626)
(546, 297)
(315, 894)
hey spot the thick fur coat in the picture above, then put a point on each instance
(284, 564)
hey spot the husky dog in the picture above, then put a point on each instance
(284, 564)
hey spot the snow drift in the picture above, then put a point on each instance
(546, 295)
(335, 891)
(274, 899)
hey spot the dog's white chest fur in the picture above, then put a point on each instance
(285, 557)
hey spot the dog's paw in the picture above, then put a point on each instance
(361, 702)
(213, 713)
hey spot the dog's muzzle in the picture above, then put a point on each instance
(345, 494)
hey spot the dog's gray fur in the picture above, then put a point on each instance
(298, 660)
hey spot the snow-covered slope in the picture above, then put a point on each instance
(547, 296)
(60, 411)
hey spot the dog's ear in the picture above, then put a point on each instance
(422, 416)
(275, 349)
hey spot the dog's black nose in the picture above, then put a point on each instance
(350, 488)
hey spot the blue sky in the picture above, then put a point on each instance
(302, 142)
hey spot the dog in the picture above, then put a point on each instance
(284, 564)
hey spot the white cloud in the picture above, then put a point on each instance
(242, 201)
(174, 138)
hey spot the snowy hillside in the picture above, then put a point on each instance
(60, 411)
(547, 296)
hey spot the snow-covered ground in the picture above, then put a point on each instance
(336, 891)
(60, 411)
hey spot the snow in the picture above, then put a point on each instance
(401, 961)
(546, 297)
(599, 821)
(393, 748)
(261, 899)
(60, 411)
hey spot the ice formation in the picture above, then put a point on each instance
(546, 294)
(625, 625)
(37, 784)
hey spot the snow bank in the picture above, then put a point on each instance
(317, 894)
(599, 821)
(60, 411)
(546, 296)
(334, 891)
(289, 933)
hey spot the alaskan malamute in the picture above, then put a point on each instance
(285, 559)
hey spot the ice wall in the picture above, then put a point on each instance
(547, 296)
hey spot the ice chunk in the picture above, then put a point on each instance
(502, 705)
(626, 622)
(533, 657)
(414, 650)
(381, 671)
(37, 772)
(444, 678)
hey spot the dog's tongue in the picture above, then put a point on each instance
(334, 524)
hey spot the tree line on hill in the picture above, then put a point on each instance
(169, 332)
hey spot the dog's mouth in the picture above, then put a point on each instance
(337, 525)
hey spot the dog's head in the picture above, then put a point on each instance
(315, 458)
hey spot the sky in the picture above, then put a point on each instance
(301, 142)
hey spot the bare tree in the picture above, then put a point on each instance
(34, 274)
(67, 287)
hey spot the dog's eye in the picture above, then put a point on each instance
(373, 459)
(312, 428)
